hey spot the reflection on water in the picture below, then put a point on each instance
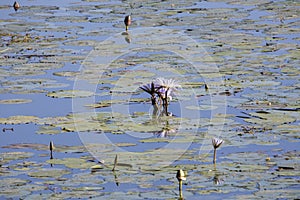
(127, 37)
(217, 180)
(166, 130)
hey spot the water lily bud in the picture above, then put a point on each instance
(51, 146)
(127, 21)
(180, 175)
(16, 6)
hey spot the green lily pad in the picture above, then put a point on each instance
(13, 182)
(81, 43)
(48, 130)
(125, 144)
(77, 194)
(96, 168)
(27, 146)
(15, 101)
(73, 163)
(21, 119)
(271, 118)
(8, 156)
(70, 94)
(201, 107)
(16, 187)
(49, 173)
(106, 103)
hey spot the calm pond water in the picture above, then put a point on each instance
(71, 75)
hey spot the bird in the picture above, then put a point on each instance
(16, 6)
(127, 21)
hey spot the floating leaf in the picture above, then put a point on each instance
(73, 163)
(15, 101)
(16, 155)
(201, 107)
(271, 118)
(21, 119)
(70, 94)
(72, 74)
(27, 146)
(96, 168)
(48, 130)
(49, 173)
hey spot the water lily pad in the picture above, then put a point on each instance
(202, 107)
(49, 173)
(15, 187)
(15, 155)
(27, 146)
(48, 130)
(73, 163)
(79, 194)
(81, 43)
(96, 168)
(125, 144)
(13, 182)
(106, 103)
(15, 101)
(271, 118)
(21, 119)
(29, 85)
(70, 94)
(66, 73)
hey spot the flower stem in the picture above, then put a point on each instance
(215, 156)
(180, 189)
(155, 111)
(165, 102)
(153, 100)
